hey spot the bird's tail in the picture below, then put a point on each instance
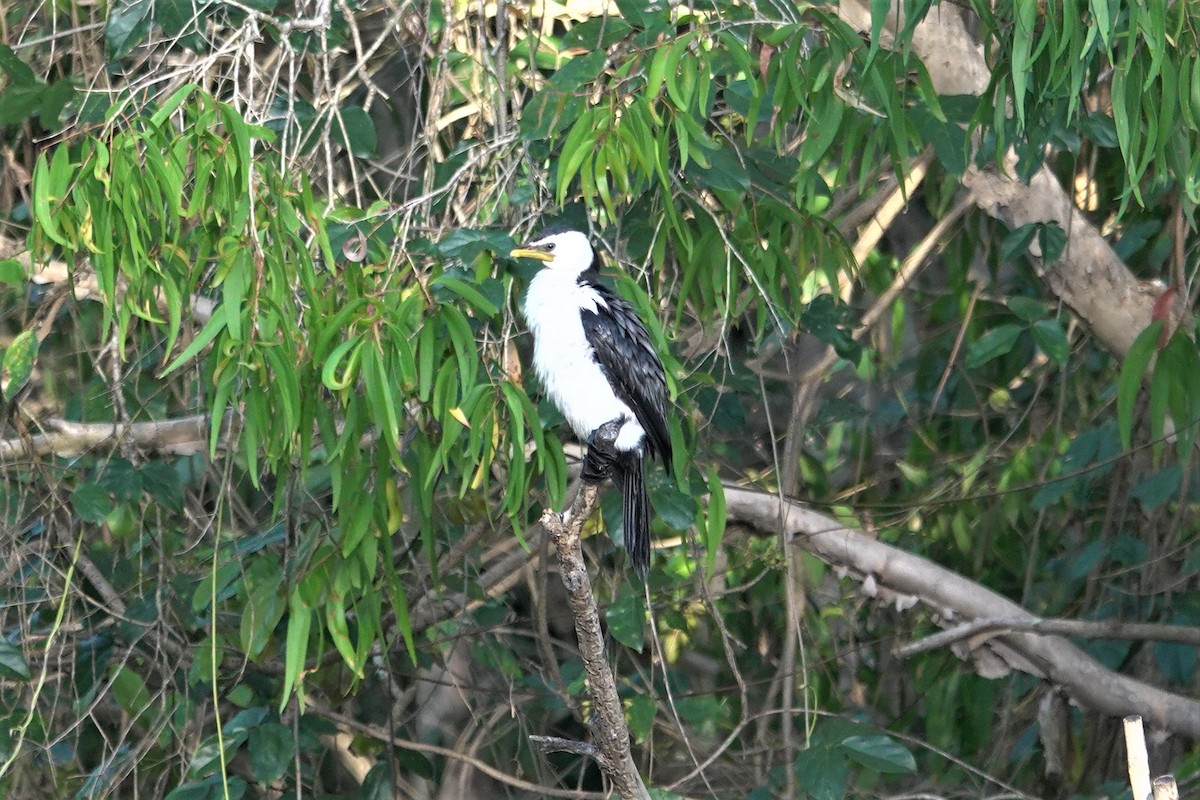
(630, 478)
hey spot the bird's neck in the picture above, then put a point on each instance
(553, 293)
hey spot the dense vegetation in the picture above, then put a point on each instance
(271, 465)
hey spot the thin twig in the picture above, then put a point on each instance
(1087, 629)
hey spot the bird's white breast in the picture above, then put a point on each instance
(563, 359)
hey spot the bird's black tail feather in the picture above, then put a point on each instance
(629, 476)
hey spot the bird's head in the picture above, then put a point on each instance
(562, 250)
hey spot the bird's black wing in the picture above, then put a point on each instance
(628, 359)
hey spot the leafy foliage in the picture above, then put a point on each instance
(339, 547)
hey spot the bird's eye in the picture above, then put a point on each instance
(549, 246)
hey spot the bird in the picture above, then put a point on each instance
(594, 358)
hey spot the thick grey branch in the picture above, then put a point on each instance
(1087, 681)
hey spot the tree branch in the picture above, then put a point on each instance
(609, 728)
(1088, 629)
(181, 436)
(1087, 681)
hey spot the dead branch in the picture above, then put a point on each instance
(953, 596)
(1087, 629)
(182, 436)
(610, 731)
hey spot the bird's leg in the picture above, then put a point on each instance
(602, 451)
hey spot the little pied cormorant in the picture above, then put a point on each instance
(594, 358)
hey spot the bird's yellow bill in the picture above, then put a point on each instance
(540, 255)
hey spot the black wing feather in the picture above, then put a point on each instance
(628, 359)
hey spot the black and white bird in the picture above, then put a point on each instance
(594, 358)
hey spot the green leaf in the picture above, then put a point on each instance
(415, 762)
(355, 129)
(995, 343)
(128, 24)
(211, 788)
(270, 747)
(122, 479)
(19, 73)
(1052, 240)
(821, 771)
(949, 139)
(1027, 308)
(91, 502)
(714, 527)
(12, 273)
(264, 603)
(466, 244)
(1052, 339)
(54, 100)
(131, 693)
(378, 784)
(644, 14)
(1156, 489)
(300, 618)
(162, 482)
(18, 103)
(1016, 243)
(467, 292)
(1133, 369)
(640, 712)
(18, 363)
(828, 319)
(182, 20)
(597, 33)
(209, 332)
(12, 662)
(880, 753)
(626, 617)
(674, 507)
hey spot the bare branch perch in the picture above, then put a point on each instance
(610, 731)
(1087, 681)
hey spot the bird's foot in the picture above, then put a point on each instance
(602, 451)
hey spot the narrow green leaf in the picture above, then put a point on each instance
(19, 359)
(1133, 369)
(297, 647)
(209, 332)
(714, 528)
(467, 292)
(341, 368)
